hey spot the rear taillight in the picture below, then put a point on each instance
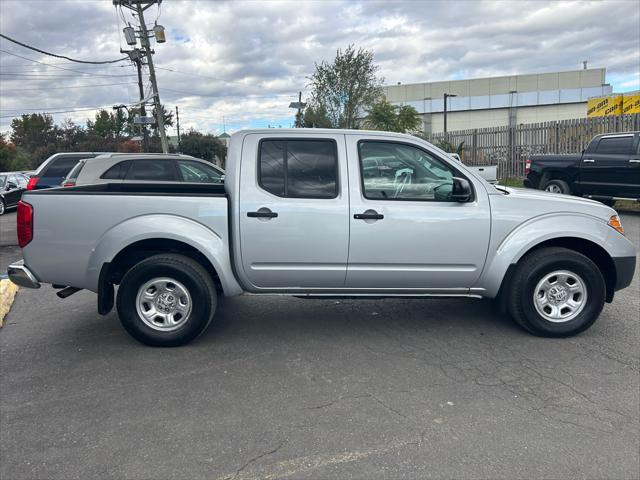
(70, 183)
(32, 183)
(527, 166)
(25, 223)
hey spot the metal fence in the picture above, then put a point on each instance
(508, 147)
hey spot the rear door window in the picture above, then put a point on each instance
(199, 172)
(615, 145)
(153, 170)
(118, 171)
(299, 168)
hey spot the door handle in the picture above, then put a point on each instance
(588, 160)
(368, 215)
(262, 213)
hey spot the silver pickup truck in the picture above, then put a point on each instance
(321, 213)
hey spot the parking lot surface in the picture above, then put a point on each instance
(290, 388)
(8, 235)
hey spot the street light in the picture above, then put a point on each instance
(446, 95)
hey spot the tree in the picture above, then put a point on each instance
(408, 119)
(450, 148)
(8, 153)
(33, 130)
(383, 115)
(205, 146)
(108, 125)
(316, 117)
(346, 86)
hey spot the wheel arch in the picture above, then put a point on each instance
(584, 234)
(588, 248)
(140, 237)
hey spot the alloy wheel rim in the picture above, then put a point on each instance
(553, 189)
(163, 304)
(560, 296)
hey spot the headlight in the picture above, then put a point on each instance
(614, 222)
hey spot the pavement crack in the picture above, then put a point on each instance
(255, 459)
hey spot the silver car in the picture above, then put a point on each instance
(143, 167)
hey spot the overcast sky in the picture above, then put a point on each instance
(247, 60)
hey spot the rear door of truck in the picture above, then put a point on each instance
(294, 211)
(606, 167)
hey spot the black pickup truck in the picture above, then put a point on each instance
(608, 169)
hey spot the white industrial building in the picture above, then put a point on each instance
(502, 101)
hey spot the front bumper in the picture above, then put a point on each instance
(625, 268)
(22, 276)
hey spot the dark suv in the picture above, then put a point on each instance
(54, 169)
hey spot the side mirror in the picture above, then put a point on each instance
(461, 191)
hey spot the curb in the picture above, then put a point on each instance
(8, 291)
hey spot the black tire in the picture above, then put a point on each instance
(3, 207)
(554, 185)
(532, 269)
(193, 277)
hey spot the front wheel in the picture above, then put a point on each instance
(2, 207)
(166, 300)
(556, 292)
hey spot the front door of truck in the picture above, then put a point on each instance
(406, 233)
(294, 211)
(606, 168)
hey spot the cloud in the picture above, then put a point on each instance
(245, 61)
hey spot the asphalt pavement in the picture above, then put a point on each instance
(290, 388)
(8, 235)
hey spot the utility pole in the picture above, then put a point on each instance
(144, 39)
(135, 56)
(137, 6)
(178, 126)
(299, 105)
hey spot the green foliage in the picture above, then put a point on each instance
(32, 131)
(205, 146)
(35, 137)
(316, 117)
(450, 148)
(383, 115)
(346, 86)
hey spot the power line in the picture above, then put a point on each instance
(61, 68)
(36, 76)
(60, 56)
(63, 88)
(88, 109)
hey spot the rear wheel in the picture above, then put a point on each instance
(557, 186)
(556, 292)
(166, 300)
(2, 207)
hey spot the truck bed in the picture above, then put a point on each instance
(80, 228)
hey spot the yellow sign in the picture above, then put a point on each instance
(631, 104)
(604, 106)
